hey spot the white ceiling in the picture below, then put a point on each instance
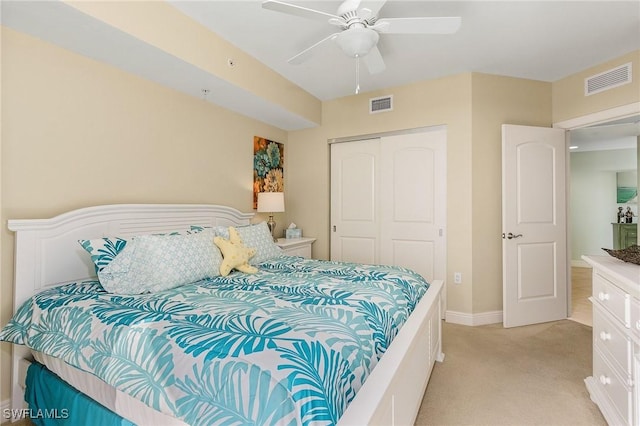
(540, 40)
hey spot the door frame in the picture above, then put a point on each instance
(591, 119)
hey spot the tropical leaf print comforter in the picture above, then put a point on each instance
(291, 344)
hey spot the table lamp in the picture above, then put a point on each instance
(271, 202)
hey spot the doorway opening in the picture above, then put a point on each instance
(601, 146)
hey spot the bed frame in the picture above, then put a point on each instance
(47, 254)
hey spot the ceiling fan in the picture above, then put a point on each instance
(360, 28)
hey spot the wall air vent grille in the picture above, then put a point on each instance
(381, 104)
(607, 80)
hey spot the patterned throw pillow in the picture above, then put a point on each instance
(104, 250)
(152, 263)
(258, 237)
(219, 230)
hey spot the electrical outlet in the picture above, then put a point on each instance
(457, 277)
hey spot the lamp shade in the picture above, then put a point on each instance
(271, 202)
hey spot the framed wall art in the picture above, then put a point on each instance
(268, 167)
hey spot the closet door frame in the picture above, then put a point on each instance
(380, 254)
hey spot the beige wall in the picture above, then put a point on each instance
(496, 101)
(161, 25)
(570, 102)
(77, 133)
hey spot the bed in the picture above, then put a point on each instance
(50, 264)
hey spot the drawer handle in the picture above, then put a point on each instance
(638, 324)
(603, 296)
(605, 380)
(604, 336)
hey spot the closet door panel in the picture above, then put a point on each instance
(358, 250)
(412, 173)
(354, 201)
(412, 254)
(412, 181)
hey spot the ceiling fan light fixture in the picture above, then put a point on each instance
(356, 42)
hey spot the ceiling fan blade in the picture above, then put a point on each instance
(373, 5)
(348, 6)
(301, 11)
(308, 52)
(427, 25)
(374, 62)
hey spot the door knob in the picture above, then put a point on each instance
(510, 235)
(605, 336)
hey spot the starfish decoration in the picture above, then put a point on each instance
(235, 254)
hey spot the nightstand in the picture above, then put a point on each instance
(296, 246)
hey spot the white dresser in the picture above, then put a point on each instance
(615, 383)
(296, 246)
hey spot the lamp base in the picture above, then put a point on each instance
(272, 227)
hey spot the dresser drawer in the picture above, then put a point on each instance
(611, 298)
(612, 341)
(615, 389)
(634, 314)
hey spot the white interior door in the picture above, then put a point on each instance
(413, 213)
(354, 201)
(534, 225)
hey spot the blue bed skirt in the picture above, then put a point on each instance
(52, 401)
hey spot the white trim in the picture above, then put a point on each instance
(600, 117)
(434, 128)
(482, 318)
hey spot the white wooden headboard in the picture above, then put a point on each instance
(47, 252)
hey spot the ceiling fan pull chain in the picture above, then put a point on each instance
(357, 74)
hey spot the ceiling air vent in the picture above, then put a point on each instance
(381, 104)
(607, 80)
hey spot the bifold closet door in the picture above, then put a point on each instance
(388, 201)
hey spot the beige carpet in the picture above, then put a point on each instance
(531, 375)
(581, 309)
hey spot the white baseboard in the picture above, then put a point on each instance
(483, 318)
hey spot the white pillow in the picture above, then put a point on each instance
(151, 263)
(258, 237)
